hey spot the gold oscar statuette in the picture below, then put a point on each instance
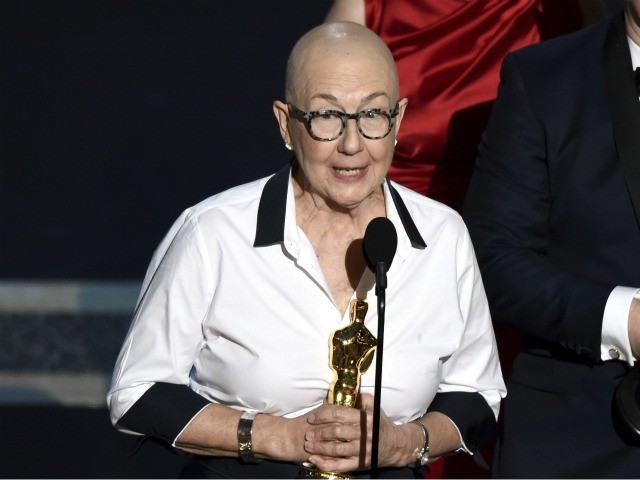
(351, 352)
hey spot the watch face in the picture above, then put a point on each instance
(627, 400)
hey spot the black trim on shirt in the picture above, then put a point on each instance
(163, 411)
(407, 221)
(471, 413)
(272, 209)
(273, 206)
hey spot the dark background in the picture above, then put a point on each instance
(118, 114)
(115, 115)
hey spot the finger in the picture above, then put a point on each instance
(334, 414)
(334, 433)
(331, 464)
(366, 401)
(333, 449)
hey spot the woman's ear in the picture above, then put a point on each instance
(281, 111)
(402, 105)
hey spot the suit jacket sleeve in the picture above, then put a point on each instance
(507, 211)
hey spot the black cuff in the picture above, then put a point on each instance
(163, 411)
(471, 413)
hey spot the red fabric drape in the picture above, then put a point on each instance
(448, 54)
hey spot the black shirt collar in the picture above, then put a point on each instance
(273, 205)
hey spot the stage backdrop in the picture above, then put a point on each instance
(118, 114)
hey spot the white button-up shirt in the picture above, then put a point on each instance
(248, 325)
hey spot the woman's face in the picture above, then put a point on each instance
(345, 172)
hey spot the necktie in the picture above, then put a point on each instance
(637, 78)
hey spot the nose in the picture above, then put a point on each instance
(351, 142)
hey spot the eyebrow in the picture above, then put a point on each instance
(368, 98)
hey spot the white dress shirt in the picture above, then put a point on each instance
(248, 326)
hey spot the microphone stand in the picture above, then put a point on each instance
(381, 285)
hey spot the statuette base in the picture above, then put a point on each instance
(309, 471)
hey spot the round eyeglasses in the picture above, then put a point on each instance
(328, 125)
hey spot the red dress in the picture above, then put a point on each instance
(448, 54)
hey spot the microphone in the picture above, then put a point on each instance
(379, 246)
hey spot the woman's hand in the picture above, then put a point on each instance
(330, 430)
(333, 437)
(340, 440)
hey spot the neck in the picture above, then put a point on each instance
(312, 207)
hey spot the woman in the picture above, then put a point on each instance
(244, 292)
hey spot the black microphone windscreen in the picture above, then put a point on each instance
(380, 242)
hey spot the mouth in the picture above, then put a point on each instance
(348, 172)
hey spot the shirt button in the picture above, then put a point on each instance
(614, 353)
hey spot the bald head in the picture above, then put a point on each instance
(328, 44)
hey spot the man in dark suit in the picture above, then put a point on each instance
(554, 213)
